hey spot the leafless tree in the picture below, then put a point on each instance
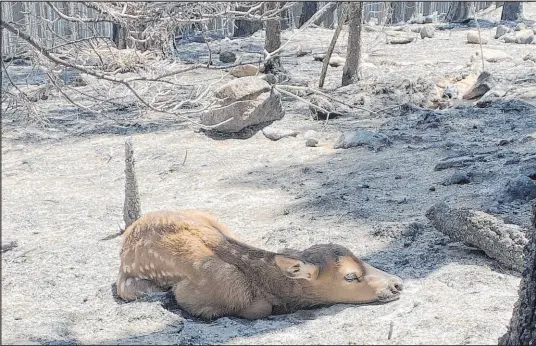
(512, 10)
(522, 330)
(353, 54)
(139, 74)
(460, 11)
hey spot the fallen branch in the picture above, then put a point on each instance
(315, 91)
(331, 47)
(503, 242)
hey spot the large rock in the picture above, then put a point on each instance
(427, 31)
(241, 103)
(472, 37)
(372, 140)
(501, 30)
(246, 88)
(483, 84)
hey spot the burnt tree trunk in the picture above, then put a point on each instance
(132, 204)
(308, 10)
(272, 41)
(460, 11)
(397, 12)
(353, 53)
(321, 15)
(245, 27)
(512, 11)
(522, 330)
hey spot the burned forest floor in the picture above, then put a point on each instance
(63, 190)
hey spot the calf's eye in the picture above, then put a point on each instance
(351, 277)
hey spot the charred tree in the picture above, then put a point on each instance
(460, 11)
(245, 27)
(522, 329)
(272, 41)
(308, 10)
(353, 53)
(512, 10)
(132, 206)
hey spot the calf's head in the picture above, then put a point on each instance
(330, 273)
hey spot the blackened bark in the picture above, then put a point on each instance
(308, 10)
(460, 11)
(512, 10)
(353, 53)
(272, 41)
(246, 27)
(522, 330)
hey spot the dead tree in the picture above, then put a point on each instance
(460, 11)
(308, 10)
(512, 10)
(353, 53)
(132, 205)
(322, 14)
(272, 41)
(245, 27)
(522, 329)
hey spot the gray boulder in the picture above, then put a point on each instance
(372, 140)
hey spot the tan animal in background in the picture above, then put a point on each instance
(213, 274)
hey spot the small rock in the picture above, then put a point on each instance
(310, 134)
(319, 57)
(20, 62)
(472, 37)
(494, 55)
(432, 188)
(509, 38)
(519, 188)
(530, 56)
(503, 142)
(416, 29)
(269, 78)
(427, 31)
(451, 91)
(483, 84)
(372, 140)
(493, 94)
(431, 18)
(9, 246)
(303, 52)
(528, 170)
(336, 61)
(311, 142)
(400, 40)
(244, 71)
(524, 37)
(227, 57)
(458, 178)
(501, 30)
(276, 134)
(520, 26)
(323, 103)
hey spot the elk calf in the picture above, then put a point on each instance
(213, 274)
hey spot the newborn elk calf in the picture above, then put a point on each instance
(213, 274)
